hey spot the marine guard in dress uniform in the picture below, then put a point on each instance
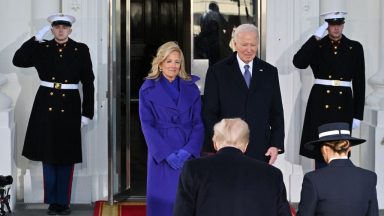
(54, 130)
(338, 93)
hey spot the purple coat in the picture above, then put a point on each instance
(168, 127)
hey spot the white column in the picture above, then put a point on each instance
(41, 9)
(7, 132)
(332, 5)
(90, 177)
(5, 101)
(373, 127)
(376, 98)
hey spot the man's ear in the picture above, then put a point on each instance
(215, 145)
(70, 30)
(244, 148)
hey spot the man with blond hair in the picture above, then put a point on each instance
(230, 183)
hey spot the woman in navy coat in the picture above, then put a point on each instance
(340, 188)
(170, 115)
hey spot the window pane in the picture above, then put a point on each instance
(213, 24)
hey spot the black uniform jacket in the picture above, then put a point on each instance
(53, 133)
(228, 184)
(226, 95)
(339, 189)
(326, 104)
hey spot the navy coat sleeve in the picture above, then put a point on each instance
(358, 84)
(25, 56)
(373, 206)
(304, 57)
(308, 199)
(87, 78)
(276, 116)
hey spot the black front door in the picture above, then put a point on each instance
(152, 23)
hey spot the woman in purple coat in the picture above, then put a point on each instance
(169, 109)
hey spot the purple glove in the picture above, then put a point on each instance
(183, 155)
(174, 161)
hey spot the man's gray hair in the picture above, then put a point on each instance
(246, 28)
(231, 132)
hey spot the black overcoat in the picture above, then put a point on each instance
(53, 133)
(230, 184)
(339, 189)
(327, 104)
(226, 95)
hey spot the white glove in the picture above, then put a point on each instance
(355, 123)
(319, 33)
(84, 121)
(40, 34)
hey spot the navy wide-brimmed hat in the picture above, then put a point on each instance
(333, 132)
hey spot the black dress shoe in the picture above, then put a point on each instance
(63, 210)
(52, 209)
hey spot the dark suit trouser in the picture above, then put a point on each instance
(57, 183)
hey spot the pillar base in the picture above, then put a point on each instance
(7, 150)
(372, 151)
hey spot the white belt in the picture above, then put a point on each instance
(59, 85)
(333, 82)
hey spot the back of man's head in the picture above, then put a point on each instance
(231, 132)
(213, 6)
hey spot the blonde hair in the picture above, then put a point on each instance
(231, 132)
(339, 146)
(162, 53)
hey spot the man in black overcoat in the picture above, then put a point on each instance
(230, 183)
(338, 94)
(54, 130)
(246, 87)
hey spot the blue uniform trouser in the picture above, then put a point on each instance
(57, 183)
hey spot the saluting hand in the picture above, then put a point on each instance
(319, 33)
(40, 34)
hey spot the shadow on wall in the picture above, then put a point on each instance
(300, 96)
(21, 87)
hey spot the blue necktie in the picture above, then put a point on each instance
(247, 75)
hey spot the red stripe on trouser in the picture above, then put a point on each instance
(70, 185)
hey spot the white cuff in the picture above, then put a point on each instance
(84, 121)
(355, 123)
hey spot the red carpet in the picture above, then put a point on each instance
(102, 208)
(128, 209)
